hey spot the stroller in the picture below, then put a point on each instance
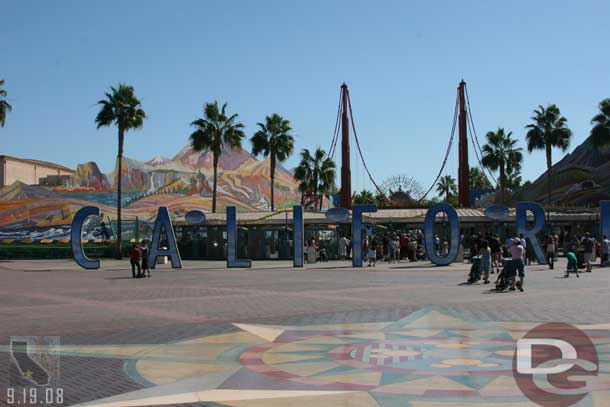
(502, 282)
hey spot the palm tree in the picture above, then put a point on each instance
(381, 200)
(548, 130)
(4, 105)
(316, 173)
(273, 140)
(600, 133)
(363, 198)
(446, 185)
(122, 108)
(513, 177)
(478, 180)
(216, 131)
(500, 154)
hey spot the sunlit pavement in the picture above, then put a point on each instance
(395, 334)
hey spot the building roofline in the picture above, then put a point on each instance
(37, 162)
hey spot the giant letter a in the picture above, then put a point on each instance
(163, 222)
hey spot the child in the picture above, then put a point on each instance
(323, 255)
(572, 264)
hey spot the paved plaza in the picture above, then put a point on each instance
(397, 334)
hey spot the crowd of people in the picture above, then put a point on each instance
(488, 254)
(510, 259)
(393, 247)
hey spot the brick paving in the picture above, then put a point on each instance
(56, 298)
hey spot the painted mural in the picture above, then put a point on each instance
(181, 183)
(579, 179)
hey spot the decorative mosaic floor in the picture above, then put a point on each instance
(431, 358)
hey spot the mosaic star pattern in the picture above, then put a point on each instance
(432, 358)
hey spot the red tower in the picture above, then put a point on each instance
(464, 169)
(346, 174)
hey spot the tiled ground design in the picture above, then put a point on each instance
(208, 336)
(431, 358)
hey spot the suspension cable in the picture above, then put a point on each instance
(479, 155)
(440, 172)
(349, 103)
(333, 144)
(478, 147)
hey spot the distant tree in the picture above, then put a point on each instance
(447, 186)
(5, 107)
(500, 154)
(215, 130)
(315, 173)
(381, 200)
(478, 180)
(548, 130)
(600, 133)
(273, 140)
(122, 108)
(363, 197)
(193, 184)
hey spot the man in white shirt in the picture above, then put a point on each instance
(522, 241)
(517, 255)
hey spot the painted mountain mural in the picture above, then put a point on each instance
(581, 178)
(181, 183)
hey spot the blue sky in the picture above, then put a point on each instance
(402, 61)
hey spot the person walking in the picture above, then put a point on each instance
(373, 251)
(555, 237)
(391, 249)
(348, 248)
(486, 261)
(605, 251)
(386, 247)
(589, 254)
(397, 249)
(342, 248)
(437, 244)
(135, 255)
(494, 246)
(517, 254)
(550, 251)
(404, 246)
(145, 267)
(365, 247)
(413, 249)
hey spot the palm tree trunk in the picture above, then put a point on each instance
(502, 182)
(272, 176)
(549, 165)
(119, 236)
(215, 183)
(315, 186)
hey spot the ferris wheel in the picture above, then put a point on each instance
(402, 187)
